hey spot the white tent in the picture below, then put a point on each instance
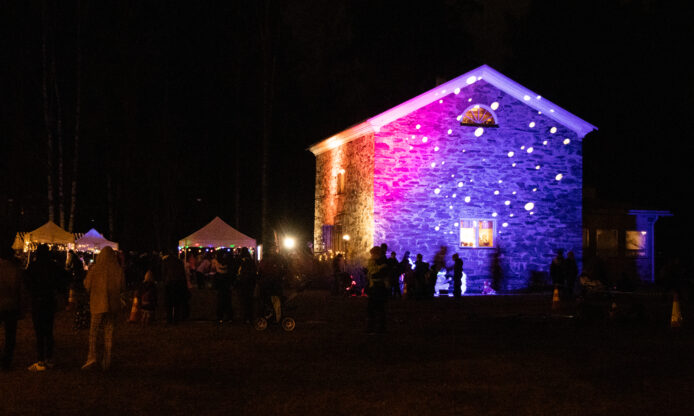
(217, 234)
(49, 233)
(93, 240)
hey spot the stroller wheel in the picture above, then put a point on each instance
(260, 324)
(288, 324)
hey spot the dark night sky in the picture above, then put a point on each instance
(173, 98)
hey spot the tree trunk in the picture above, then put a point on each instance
(47, 117)
(267, 26)
(76, 147)
(59, 137)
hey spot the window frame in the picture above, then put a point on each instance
(476, 233)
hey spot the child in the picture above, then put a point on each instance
(148, 298)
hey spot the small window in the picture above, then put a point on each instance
(477, 233)
(341, 182)
(478, 116)
(606, 241)
(636, 243)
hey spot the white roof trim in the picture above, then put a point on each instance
(490, 75)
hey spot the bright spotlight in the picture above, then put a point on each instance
(289, 243)
(346, 237)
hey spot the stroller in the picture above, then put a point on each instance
(270, 307)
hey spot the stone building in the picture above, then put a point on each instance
(477, 164)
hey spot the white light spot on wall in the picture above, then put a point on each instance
(538, 97)
(526, 97)
(494, 214)
(522, 147)
(496, 192)
(531, 213)
(532, 124)
(539, 112)
(463, 150)
(440, 101)
(504, 225)
(513, 165)
(479, 131)
(425, 139)
(450, 207)
(436, 149)
(553, 130)
(537, 167)
(450, 131)
(454, 195)
(511, 215)
(452, 176)
(418, 126)
(514, 192)
(534, 189)
(510, 154)
(456, 91)
(476, 107)
(443, 163)
(551, 110)
(507, 202)
(559, 176)
(437, 191)
(433, 165)
(471, 80)
(467, 199)
(500, 181)
(544, 143)
(529, 206)
(530, 150)
(411, 147)
(436, 228)
(567, 141)
(460, 184)
(460, 117)
(469, 100)
(494, 105)
(455, 224)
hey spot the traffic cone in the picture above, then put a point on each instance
(134, 311)
(676, 318)
(613, 310)
(555, 299)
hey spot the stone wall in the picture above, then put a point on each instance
(430, 172)
(352, 209)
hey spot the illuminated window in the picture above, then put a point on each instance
(341, 182)
(636, 243)
(478, 116)
(477, 233)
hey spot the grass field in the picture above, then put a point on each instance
(503, 355)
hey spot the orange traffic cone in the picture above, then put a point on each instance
(555, 299)
(613, 310)
(134, 311)
(676, 318)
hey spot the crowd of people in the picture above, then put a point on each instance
(96, 293)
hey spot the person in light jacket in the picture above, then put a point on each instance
(105, 282)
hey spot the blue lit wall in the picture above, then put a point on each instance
(526, 175)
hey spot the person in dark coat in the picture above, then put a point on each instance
(173, 274)
(44, 279)
(222, 285)
(10, 303)
(571, 272)
(556, 269)
(421, 273)
(247, 273)
(378, 286)
(394, 275)
(457, 275)
(271, 273)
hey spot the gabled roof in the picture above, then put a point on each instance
(490, 75)
(217, 234)
(93, 240)
(49, 233)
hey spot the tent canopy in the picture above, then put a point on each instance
(217, 234)
(49, 233)
(93, 240)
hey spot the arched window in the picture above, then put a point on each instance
(478, 116)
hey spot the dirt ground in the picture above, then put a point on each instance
(494, 355)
